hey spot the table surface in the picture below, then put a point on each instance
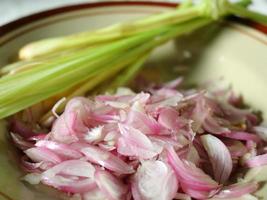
(13, 9)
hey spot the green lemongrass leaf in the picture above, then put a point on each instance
(128, 74)
(18, 67)
(121, 46)
(62, 66)
(89, 84)
(186, 4)
(241, 11)
(125, 76)
(35, 93)
(44, 73)
(24, 65)
(111, 33)
(73, 72)
(244, 3)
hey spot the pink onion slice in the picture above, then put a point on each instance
(134, 143)
(220, 157)
(163, 144)
(243, 136)
(111, 186)
(155, 180)
(262, 132)
(182, 196)
(39, 154)
(72, 122)
(33, 178)
(143, 122)
(95, 135)
(203, 116)
(20, 142)
(71, 168)
(106, 159)
(73, 176)
(237, 190)
(69, 185)
(94, 194)
(236, 148)
(19, 127)
(33, 167)
(170, 101)
(193, 180)
(59, 148)
(170, 119)
(62, 130)
(165, 141)
(173, 83)
(41, 136)
(257, 161)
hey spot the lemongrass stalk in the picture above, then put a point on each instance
(118, 31)
(244, 3)
(41, 92)
(64, 65)
(18, 67)
(23, 65)
(61, 74)
(95, 81)
(60, 68)
(113, 32)
(44, 88)
(127, 75)
(243, 12)
(186, 4)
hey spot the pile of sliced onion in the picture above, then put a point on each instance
(162, 144)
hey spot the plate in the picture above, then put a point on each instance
(229, 50)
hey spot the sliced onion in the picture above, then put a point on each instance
(261, 131)
(112, 187)
(165, 141)
(220, 157)
(141, 146)
(71, 168)
(171, 101)
(155, 180)
(18, 127)
(237, 190)
(39, 154)
(95, 135)
(107, 160)
(134, 143)
(146, 124)
(203, 116)
(73, 176)
(20, 142)
(72, 122)
(69, 185)
(236, 148)
(182, 196)
(257, 161)
(38, 137)
(94, 194)
(170, 119)
(33, 167)
(193, 180)
(33, 178)
(60, 149)
(174, 83)
(192, 155)
(244, 136)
